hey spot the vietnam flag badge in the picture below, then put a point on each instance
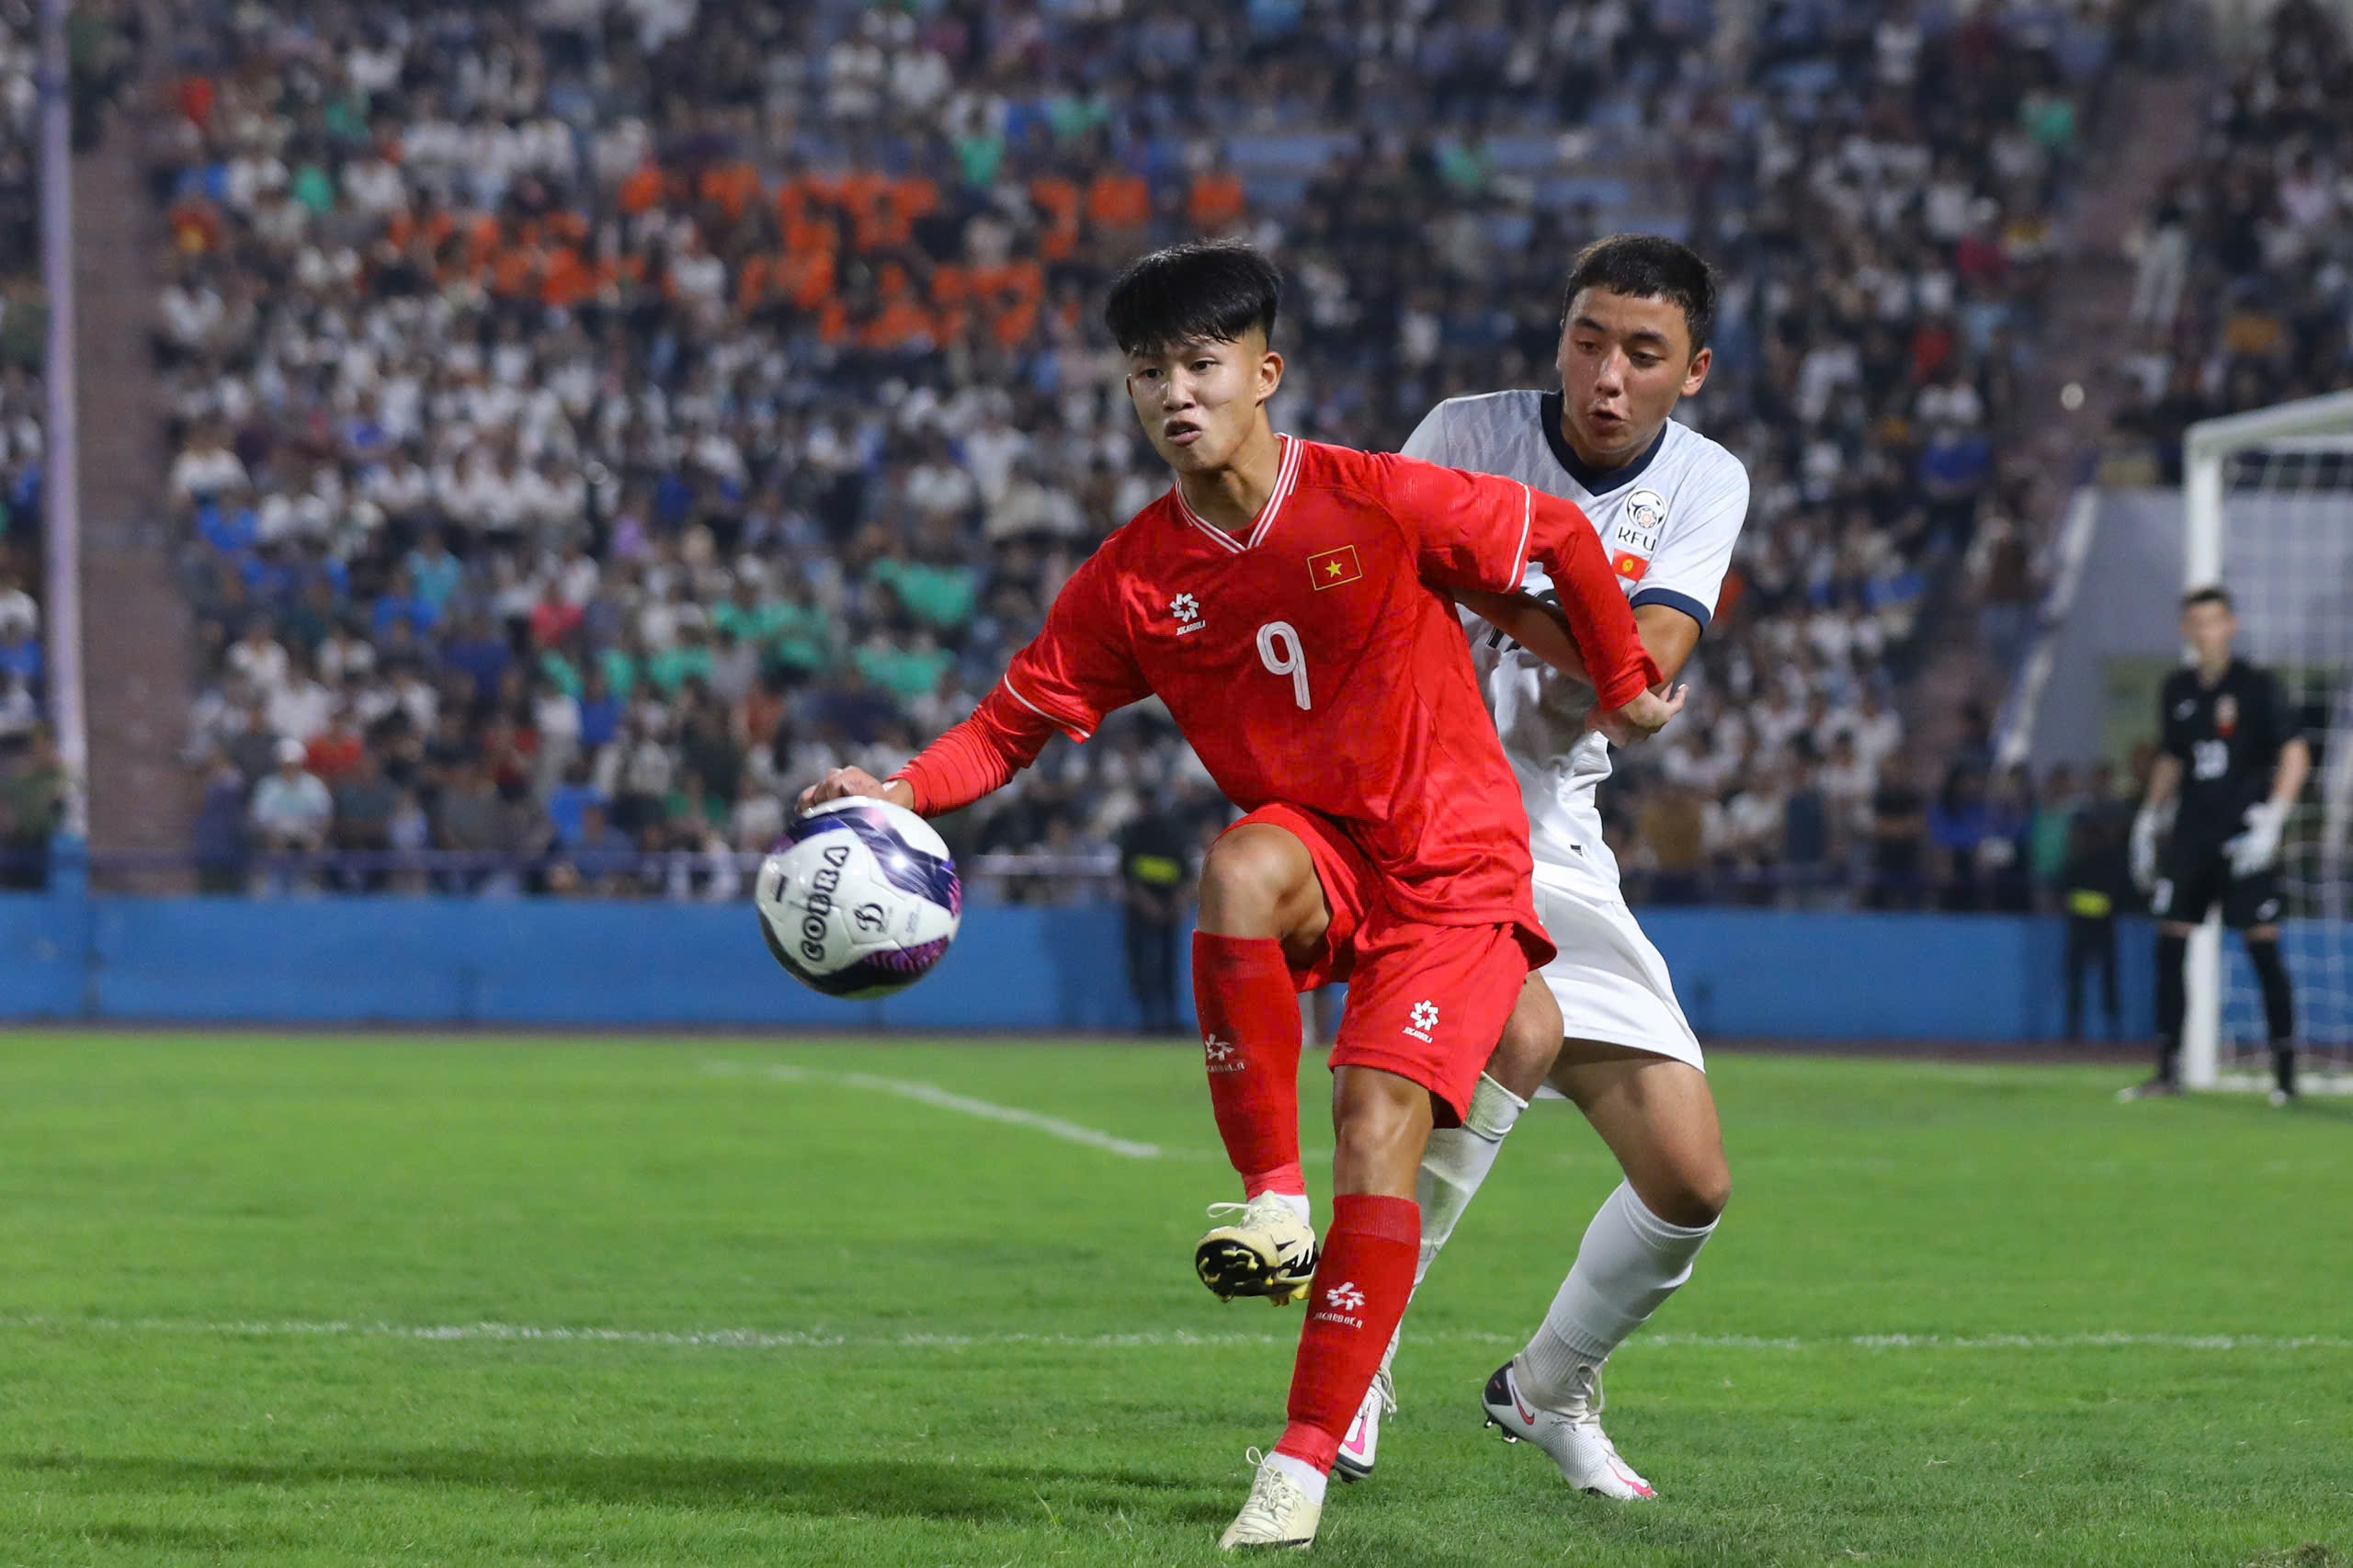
(1334, 567)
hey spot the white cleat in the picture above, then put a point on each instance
(1279, 1513)
(1572, 1436)
(1361, 1447)
(1266, 1250)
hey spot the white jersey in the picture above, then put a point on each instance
(1669, 520)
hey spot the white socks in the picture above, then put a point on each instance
(1457, 1160)
(1298, 1204)
(1629, 1263)
(1310, 1480)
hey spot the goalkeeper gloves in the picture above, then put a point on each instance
(2147, 828)
(2258, 846)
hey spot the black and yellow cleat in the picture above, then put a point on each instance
(1265, 1251)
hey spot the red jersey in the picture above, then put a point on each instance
(1319, 662)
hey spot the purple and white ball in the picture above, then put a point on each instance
(858, 899)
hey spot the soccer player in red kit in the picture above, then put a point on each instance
(1288, 602)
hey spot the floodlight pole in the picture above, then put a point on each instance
(60, 477)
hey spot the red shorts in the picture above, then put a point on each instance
(1426, 1001)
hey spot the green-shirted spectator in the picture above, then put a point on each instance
(906, 672)
(752, 618)
(941, 597)
(313, 190)
(803, 639)
(673, 666)
(2047, 840)
(562, 672)
(792, 633)
(621, 667)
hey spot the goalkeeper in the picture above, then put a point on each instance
(2230, 764)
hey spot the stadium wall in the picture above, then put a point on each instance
(1758, 973)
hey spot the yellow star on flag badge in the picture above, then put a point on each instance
(1331, 568)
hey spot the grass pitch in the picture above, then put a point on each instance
(351, 1302)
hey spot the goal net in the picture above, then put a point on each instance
(2269, 500)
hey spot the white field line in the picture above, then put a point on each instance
(932, 1095)
(819, 1340)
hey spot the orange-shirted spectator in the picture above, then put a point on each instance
(516, 263)
(866, 197)
(641, 191)
(802, 210)
(807, 278)
(437, 227)
(888, 221)
(901, 323)
(951, 297)
(752, 282)
(832, 322)
(732, 188)
(195, 228)
(1217, 200)
(1009, 297)
(1059, 200)
(568, 280)
(1118, 200)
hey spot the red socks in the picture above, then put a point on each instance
(1352, 1308)
(1250, 1037)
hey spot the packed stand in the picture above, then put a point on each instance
(591, 421)
(2243, 286)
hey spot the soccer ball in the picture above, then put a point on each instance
(858, 899)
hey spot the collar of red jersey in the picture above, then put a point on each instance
(1285, 480)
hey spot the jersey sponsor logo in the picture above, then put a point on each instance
(1330, 568)
(2185, 708)
(1424, 1020)
(1188, 611)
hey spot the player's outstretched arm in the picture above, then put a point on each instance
(1479, 531)
(845, 783)
(1532, 623)
(1635, 699)
(977, 758)
(1538, 625)
(1077, 669)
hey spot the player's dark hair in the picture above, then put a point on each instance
(1648, 267)
(2213, 594)
(1210, 292)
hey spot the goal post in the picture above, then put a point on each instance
(2268, 513)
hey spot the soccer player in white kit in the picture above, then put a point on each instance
(1669, 503)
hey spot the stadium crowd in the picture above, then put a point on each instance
(2243, 289)
(592, 420)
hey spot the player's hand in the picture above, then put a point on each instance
(2146, 826)
(1641, 719)
(844, 782)
(2257, 846)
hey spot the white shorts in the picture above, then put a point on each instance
(1610, 982)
